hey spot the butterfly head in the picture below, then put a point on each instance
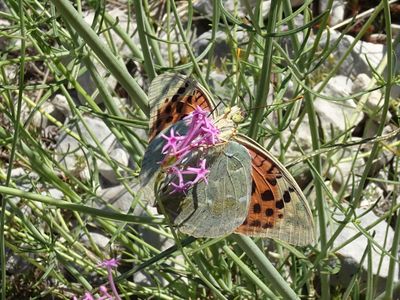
(227, 123)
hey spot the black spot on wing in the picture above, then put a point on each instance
(269, 212)
(286, 196)
(272, 180)
(279, 204)
(257, 208)
(267, 195)
(175, 98)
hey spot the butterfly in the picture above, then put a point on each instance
(248, 190)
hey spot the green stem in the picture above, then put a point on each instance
(148, 62)
(79, 207)
(264, 82)
(265, 266)
(389, 75)
(16, 121)
(246, 270)
(73, 18)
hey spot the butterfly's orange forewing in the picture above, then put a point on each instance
(186, 97)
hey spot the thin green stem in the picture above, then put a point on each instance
(389, 75)
(73, 18)
(148, 61)
(79, 207)
(187, 45)
(16, 112)
(264, 82)
(246, 270)
(265, 267)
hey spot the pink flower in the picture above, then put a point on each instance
(201, 173)
(112, 263)
(88, 296)
(109, 264)
(181, 186)
(172, 141)
(105, 295)
(201, 133)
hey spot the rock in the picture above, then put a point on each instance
(4, 23)
(375, 100)
(336, 117)
(385, 156)
(18, 172)
(343, 170)
(39, 119)
(17, 265)
(205, 7)
(55, 193)
(303, 141)
(376, 38)
(118, 197)
(121, 158)
(178, 51)
(51, 134)
(222, 49)
(157, 241)
(61, 106)
(69, 150)
(99, 239)
(351, 255)
(374, 197)
(361, 57)
(337, 12)
(296, 3)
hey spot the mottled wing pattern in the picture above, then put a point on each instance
(217, 208)
(172, 97)
(278, 208)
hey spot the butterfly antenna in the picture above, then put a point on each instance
(215, 108)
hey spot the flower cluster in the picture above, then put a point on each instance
(104, 294)
(201, 133)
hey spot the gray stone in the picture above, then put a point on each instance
(157, 241)
(70, 152)
(55, 193)
(222, 49)
(118, 197)
(361, 57)
(337, 12)
(99, 239)
(129, 25)
(205, 7)
(40, 119)
(61, 105)
(121, 158)
(374, 101)
(385, 155)
(336, 116)
(343, 170)
(351, 255)
(4, 23)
